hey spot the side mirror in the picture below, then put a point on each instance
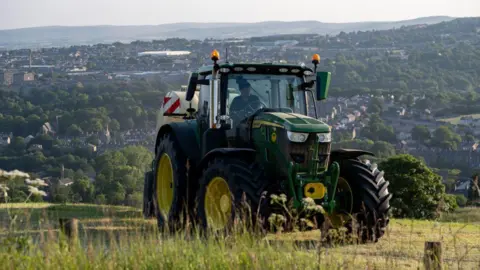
(322, 84)
(192, 85)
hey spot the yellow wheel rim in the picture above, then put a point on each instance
(218, 203)
(164, 184)
(344, 204)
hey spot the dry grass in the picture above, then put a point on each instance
(456, 120)
(119, 238)
(24, 205)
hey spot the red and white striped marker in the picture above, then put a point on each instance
(171, 105)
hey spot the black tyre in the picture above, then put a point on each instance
(169, 185)
(148, 209)
(229, 188)
(363, 194)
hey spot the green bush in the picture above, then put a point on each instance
(417, 191)
(449, 203)
(461, 200)
(101, 199)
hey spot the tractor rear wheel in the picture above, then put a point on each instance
(229, 188)
(148, 209)
(362, 201)
(169, 184)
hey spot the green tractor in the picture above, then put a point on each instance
(266, 139)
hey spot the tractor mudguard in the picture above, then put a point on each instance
(246, 153)
(185, 134)
(341, 153)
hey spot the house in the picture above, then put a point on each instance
(402, 145)
(105, 136)
(5, 140)
(469, 146)
(28, 139)
(462, 187)
(349, 118)
(35, 147)
(65, 182)
(92, 147)
(8, 78)
(16, 78)
(47, 129)
(466, 120)
(398, 54)
(404, 135)
(28, 77)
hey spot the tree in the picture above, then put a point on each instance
(84, 188)
(383, 149)
(17, 145)
(470, 138)
(423, 104)
(91, 65)
(461, 200)
(95, 125)
(114, 125)
(110, 159)
(418, 191)
(446, 138)
(116, 195)
(101, 199)
(375, 106)
(135, 199)
(421, 134)
(74, 130)
(128, 124)
(410, 100)
(138, 156)
(378, 131)
(93, 140)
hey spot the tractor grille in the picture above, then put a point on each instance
(302, 153)
(324, 154)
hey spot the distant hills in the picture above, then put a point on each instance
(78, 35)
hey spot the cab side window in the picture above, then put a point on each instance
(204, 98)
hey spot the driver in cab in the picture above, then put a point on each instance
(240, 102)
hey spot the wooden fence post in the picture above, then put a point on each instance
(433, 255)
(69, 227)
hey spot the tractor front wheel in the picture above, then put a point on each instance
(228, 188)
(362, 201)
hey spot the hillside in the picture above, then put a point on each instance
(65, 36)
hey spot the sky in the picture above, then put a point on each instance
(34, 13)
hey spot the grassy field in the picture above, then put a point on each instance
(119, 238)
(456, 120)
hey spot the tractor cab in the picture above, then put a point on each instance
(232, 96)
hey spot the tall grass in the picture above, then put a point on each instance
(118, 238)
(469, 215)
(137, 250)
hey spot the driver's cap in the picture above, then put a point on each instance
(242, 84)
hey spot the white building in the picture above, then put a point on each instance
(164, 53)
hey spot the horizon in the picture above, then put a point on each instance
(23, 14)
(231, 22)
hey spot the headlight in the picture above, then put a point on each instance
(324, 137)
(297, 137)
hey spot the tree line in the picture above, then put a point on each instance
(81, 109)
